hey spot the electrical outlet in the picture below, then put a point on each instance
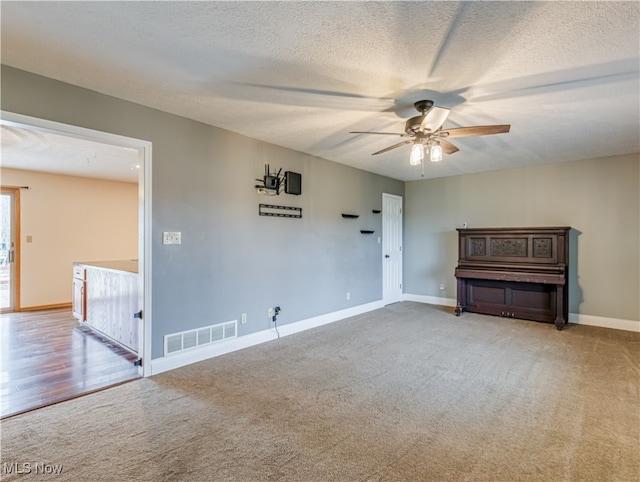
(441, 286)
(270, 312)
(244, 318)
(348, 295)
(171, 237)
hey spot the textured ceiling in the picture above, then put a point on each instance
(42, 150)
(565, 75)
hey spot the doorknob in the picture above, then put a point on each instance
(386, 255)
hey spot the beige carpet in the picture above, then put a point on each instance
(406, 393)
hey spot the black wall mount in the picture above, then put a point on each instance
(279, 211)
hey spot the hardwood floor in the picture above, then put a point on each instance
(48, 357)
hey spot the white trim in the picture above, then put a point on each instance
(327, 318)
(430, 300)
(605, 322)
(195, 355)
(145, 261)
(144, 188)
(577, 318)
(11, 118)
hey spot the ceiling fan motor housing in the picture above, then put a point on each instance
(413, 125)
(423, 106)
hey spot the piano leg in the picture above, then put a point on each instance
(560, 318)
(462, 296)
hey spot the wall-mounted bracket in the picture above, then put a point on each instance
(279, 211)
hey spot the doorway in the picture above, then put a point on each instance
(9, 248)
(391, 248)
(143, 150)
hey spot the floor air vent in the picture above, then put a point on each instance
(186, 340)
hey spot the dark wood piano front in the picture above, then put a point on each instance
(514, 272)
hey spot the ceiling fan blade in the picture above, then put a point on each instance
(447, 147)
(391, 147)
(379, 133)
(434, 119)
(328, 99)
(475, 131)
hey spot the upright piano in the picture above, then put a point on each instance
(514, 272)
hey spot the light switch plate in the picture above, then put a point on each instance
(171, 237)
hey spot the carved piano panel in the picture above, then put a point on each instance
(514, 272)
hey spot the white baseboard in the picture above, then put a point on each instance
(578, 318)
(171, 362)
(184, 358)
(430, 300)
(604, 322)
(291, 328)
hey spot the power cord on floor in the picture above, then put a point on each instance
(275, 320)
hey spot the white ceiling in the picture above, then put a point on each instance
(565, 75)
(41, 150)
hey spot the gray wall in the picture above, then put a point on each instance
(231, 260)
(599, 198)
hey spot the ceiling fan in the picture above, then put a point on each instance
(427, 135)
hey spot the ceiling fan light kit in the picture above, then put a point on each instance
(420, 149)
(428, 135)
(435, 152)
(417, 153)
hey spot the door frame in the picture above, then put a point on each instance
(144, 208)
(394, 197)
(14, 192)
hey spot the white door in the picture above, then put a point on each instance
(391, 248)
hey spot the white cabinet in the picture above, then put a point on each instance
(111, 302)
(79, 301)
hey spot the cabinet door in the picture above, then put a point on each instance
(78, 305)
